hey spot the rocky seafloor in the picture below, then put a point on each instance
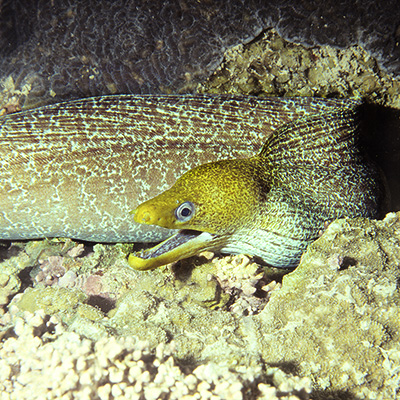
(219, 327)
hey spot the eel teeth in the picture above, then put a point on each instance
(182, 245)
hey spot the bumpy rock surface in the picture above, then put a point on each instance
(50, 51)
(336, 316)
(274, 66)
(334, 322)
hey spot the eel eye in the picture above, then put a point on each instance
(185, 211)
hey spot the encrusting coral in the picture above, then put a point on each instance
(275, 66)
(336, 315)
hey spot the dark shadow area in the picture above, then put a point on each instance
(26, 281)
(104, 304)
(183, 268)
(347, 262)
(333, 395)
(292, 367)
(381, 137)
(288, 367)
(8, 250)
(25, 277)
(187, 365)
(272, 273)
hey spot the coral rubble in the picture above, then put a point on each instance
(40, 359)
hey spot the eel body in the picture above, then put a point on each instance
(271, 205)
(76, 169)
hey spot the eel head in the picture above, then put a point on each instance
(207, 205)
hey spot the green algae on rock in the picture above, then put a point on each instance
(272, 205)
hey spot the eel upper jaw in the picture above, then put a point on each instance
(183, 244)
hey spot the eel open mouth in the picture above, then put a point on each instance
(184, 244)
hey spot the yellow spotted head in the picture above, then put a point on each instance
(216, 197)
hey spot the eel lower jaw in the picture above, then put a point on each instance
(184, 244)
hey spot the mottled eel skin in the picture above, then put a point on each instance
(76, 169)
(271, 205)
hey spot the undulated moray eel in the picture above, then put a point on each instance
(76, 169)
(271, 205)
